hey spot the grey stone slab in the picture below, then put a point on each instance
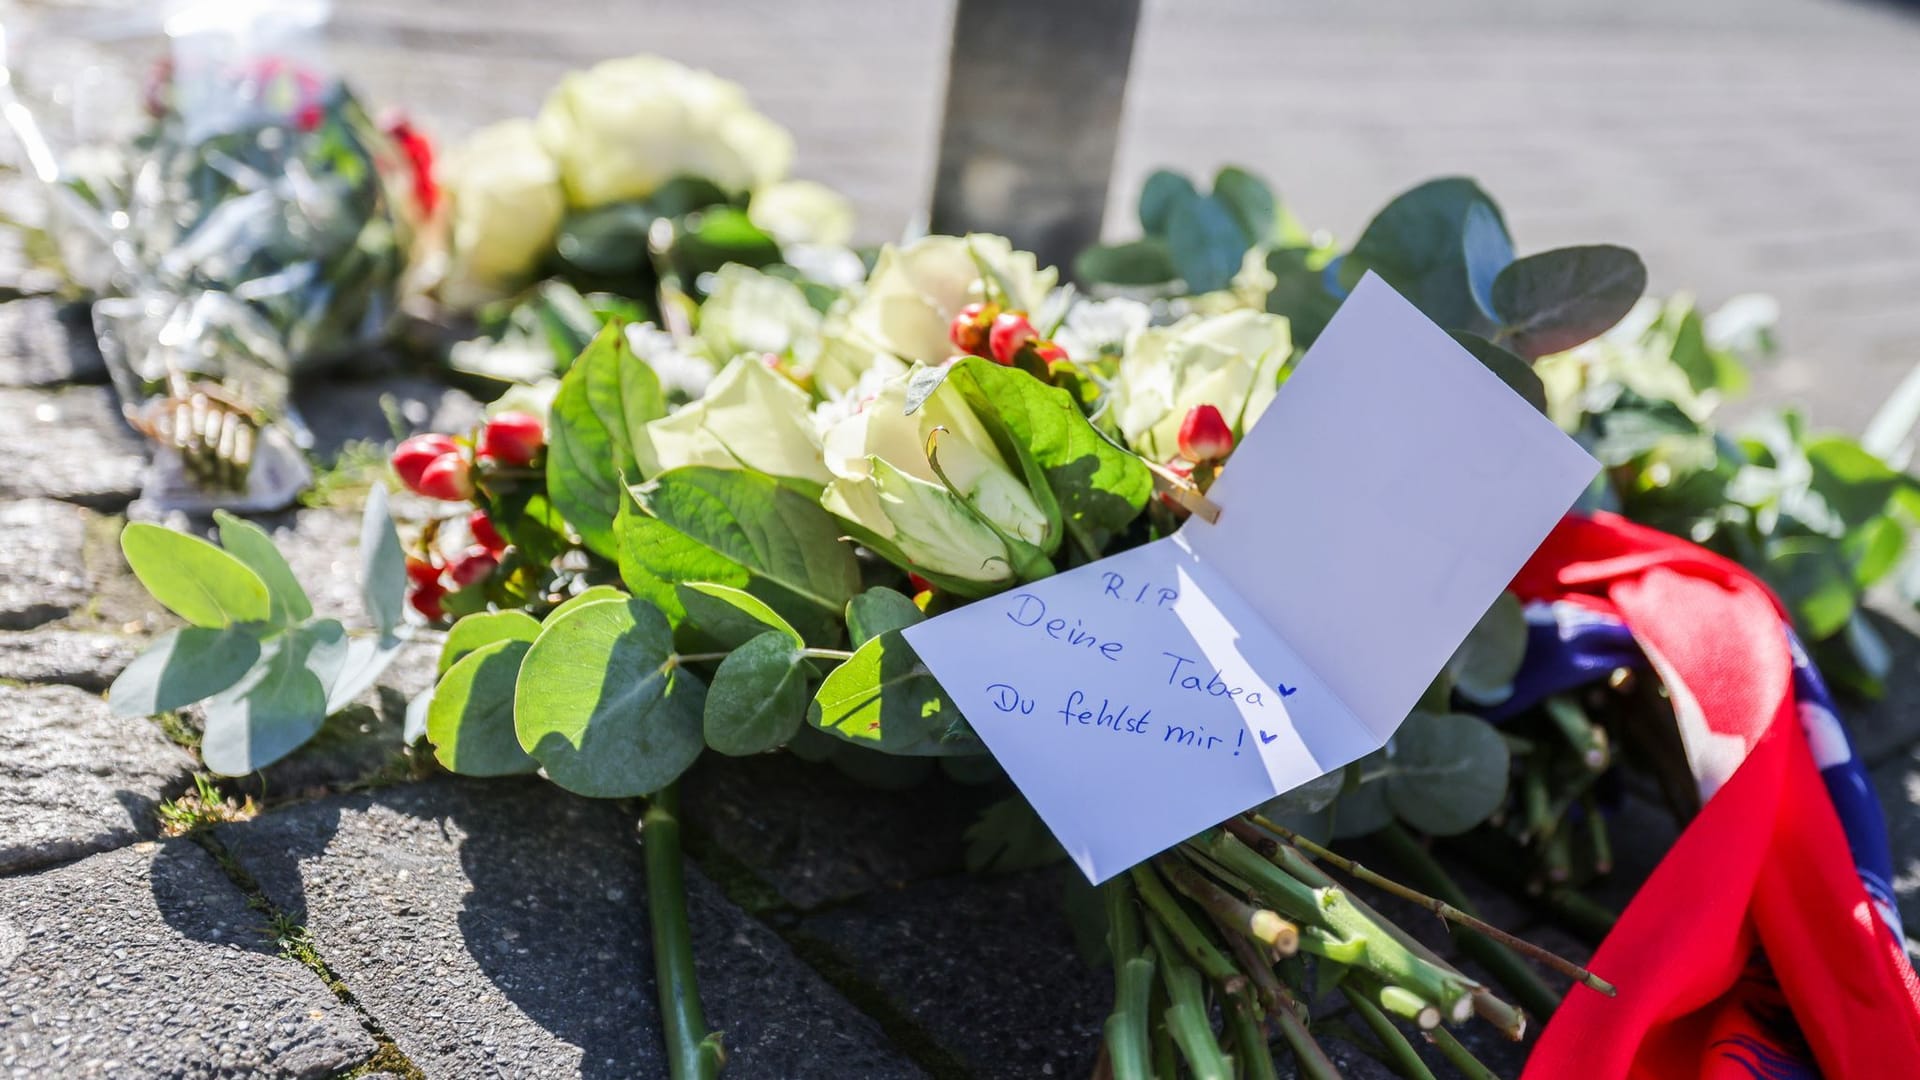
(1897, 783)
(985, 966)
(500, 929)
(1882, 729)
(74, 778)
(42, 573)
(147, 962)
(43, 343)
(79, 658)
(343, 410)
(788, 822)
(70, 445)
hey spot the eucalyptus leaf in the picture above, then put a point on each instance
(470, 718)
(1448, 772)
(877, 611)
(1311, 797)
(183, 666)
(1418, 243)
(758, 699)
(485, 628)
(601, 704)
(1251, 203)
(1487, 252)
(730, 617)
(194, 579)
(1163, 193)
(1136, 263)
(1511, 369)
(1484, 666)
(251, 545)
(269, 713)
(1552, 301)
(1363, 808)
(1206, 244)
(383, 563)
(885, 699)
(587, 596)
(596, 432)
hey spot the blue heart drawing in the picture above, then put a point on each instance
(1266, 738)
(1285, 690)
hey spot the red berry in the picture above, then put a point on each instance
(919, 583)
(1048, 351)
(446, 477)
(968, 331)
(474, 565)
(426, 600)
(421, 572)
(512, 438)
(412, 456)
(1204, 435)
(1010, 331)
(484, 533)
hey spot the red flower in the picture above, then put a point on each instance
(421, 572)
(484, 533)
(512, 438)
(412, 456)
(1204, 435)
(426, 600)
(1010, 331)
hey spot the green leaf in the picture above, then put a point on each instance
(270, 712)
(742, 529)
(601, 704)
(1099, 487)
(251, 545)
(1874, 549)
(1550, 302)
(1163, 193)
(1856, 485)
(758, 699)
(193, 579)
(1418, 243)
(383, 563)
(730, 617)
(1692, 355)
(877, 611)
(470, 719)
(1363, 808)
(1206, 244)
(885, 698)
(347, 665)
(1251, 203)
(1815, 583)
(1484, 666)
(1634, 426)
(485, 628)
(1299, 293)
(1009, 837)
(596, 432)
(587, 596)
(713, 238)
(1448, 772)
(1136, 263)
(181, 667)
(1512, 370)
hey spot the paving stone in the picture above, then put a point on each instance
(787, 821)
(79, 658)
(76, 779)
(43, 343)
(42, 576)
(499, 929)
(147, 962)
(71, 445)
(985, 966)
(345, 410)
(1882, 728)
(1897, 783)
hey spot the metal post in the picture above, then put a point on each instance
(1034, 94)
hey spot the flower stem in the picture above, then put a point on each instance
(1127, 1028)
(1401, 1056)
(693, 1053)
(1186, 1016)
(1459, 1056)
(1187, 934)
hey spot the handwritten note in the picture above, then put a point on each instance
(1367, 521)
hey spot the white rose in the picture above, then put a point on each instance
(747, 311)
(802, 212)
(504, 205)
(751, 417)
(982, 531)
(915, 291)
(623, 128)
(1231, 361)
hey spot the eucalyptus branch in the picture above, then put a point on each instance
(693, 1053)
(1443, 909)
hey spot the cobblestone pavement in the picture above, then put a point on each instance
(376, 919)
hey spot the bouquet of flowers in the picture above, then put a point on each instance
(710, 532)
(237, 217)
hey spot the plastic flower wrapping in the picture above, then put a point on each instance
(238, 217)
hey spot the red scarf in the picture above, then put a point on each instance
(1762, 877)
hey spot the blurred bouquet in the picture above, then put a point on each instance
(237, 217)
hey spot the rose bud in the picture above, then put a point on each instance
(512, 438)
(1204, 435)
(1048, 351)
(473, 566)
(484, 533)
(412, 457)
(421, 572)
(968, 331)
(446, 477)
(426, 600)
(1010, 331)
